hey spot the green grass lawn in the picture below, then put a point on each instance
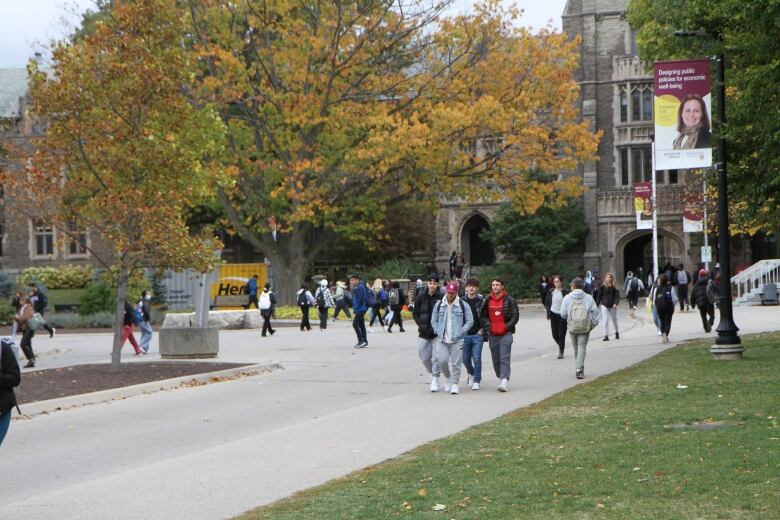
(64, 296)
(629, 445)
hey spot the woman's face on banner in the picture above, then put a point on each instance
(691, 113)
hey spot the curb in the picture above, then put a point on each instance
(74, 401)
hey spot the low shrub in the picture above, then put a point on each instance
(6, 312)
(79, 321)
(6, 285)
(64, 277)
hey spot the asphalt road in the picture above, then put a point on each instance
(215, 451)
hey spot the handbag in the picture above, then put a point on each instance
(36, 322)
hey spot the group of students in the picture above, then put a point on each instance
(28, 318)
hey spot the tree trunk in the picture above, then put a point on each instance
(119, 317)
(288, 276)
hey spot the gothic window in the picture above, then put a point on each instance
(623, 106)
(77, 245)
(636, 165)
(647, 104)
(624, 174)
(43, 233)
(636, 104)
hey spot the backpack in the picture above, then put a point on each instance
(370, 297)
(633, 285)
(302, 300)
(138, 315)
(393, 298)
(664, 299)
(682, 277)
(320, 298)
(43, 301)
(712, 297)
(579, 319)
(264, 302)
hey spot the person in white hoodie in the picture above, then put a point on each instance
(582, 315)
(451, 319)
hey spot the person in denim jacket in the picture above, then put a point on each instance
(451, 320)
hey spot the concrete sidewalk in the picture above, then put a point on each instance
(218, 450)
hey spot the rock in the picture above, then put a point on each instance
(235, 319)
(189, 342)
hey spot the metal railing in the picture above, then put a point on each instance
(755, 276)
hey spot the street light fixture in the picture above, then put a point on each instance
(727, 344)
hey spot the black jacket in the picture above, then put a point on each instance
(509, 310)
(129, 315)
(607, 296)
(10, 376)
(423, 311)
(548, 299)
(476, 310)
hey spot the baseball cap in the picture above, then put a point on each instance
(433, 278)
(452, 288)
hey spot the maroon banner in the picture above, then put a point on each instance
(643, 205)
(693, 213)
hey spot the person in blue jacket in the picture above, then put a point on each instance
(359, 308)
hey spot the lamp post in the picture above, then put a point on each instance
(727, 345)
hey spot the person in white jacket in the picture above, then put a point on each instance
(582, 315)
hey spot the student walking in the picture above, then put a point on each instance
(146, 321)
(24, 318)
(582, 315)
(665, 301)
(396, 300)
(553, 304)
(703, 296)
(359, 308)
(376, 304)
(633, 287)
(10, 377)
(473, 337)
(544, 288)
(39, 302)
(499, 318)
(324, 300)
(426, 340)
(607, 299)
(266, 303)
(450, 320)
(305, 301)
(683, 279)
(342, 300)
(251, 290)
(128, 321)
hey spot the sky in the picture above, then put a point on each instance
(27, 26)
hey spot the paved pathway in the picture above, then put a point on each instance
(218, 450)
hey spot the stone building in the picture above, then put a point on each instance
(616, 97)
(27, 239)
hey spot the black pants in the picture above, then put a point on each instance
(267, 322)
(305, 317)
(359, 324)
(342, 305)
(707, 313)
(377, 315)
(396, 320)
(26, 344)
(323, 312)
(682, 295)
(558, 327)
(252, 299)
(46, 326)
(666, 319)
(633, 298)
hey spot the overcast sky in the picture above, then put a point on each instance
(28, 25)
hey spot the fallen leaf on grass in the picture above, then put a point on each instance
(439, 507)
(422, 492)
(682, 387)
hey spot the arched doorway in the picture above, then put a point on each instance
(638, 251)
(477, 250)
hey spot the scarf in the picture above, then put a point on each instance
(687, 138)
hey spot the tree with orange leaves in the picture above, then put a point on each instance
(125, 153)
(336, 111)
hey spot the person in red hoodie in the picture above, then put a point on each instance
(499, 318)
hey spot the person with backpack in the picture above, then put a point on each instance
(375, 303)
(131, 317)
(499, 318)
(664, 301)
(359, 307)
(426, 335)
(607, 299)
(633, 287)
(10, 377)
(342, 299)
(473, 338)
(324, 300)
(396, 300)
(683, 279)
(266, 302)
(553, 304)
(582, 315)
(39, 302)
(450, 320)
(26, 324)
(700, 297)
(146, 321)
(305, 301)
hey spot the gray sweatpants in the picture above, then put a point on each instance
(451, 353)
(427, 348)
(501, 353)
(580, 344)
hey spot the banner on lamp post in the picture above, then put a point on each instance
(682, 92)
(643, 204)
(693, 218)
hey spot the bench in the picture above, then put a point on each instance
(66, 307)
(239, 300)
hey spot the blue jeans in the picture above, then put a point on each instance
(5, 422)
(359, 324)
(472, 352)
(146, 335)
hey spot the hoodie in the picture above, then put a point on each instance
(590, 305)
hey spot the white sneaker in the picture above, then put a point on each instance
(369, 330)
(454, 389)
(502, 386)
(447, 387)
(435, 384)
(659, 332)
(475, 386)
